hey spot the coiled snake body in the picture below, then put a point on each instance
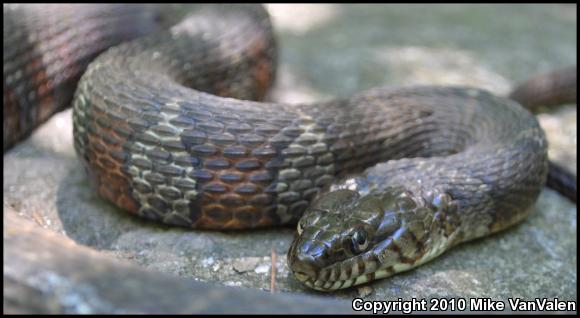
(165, 129)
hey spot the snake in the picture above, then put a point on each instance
(170, 124)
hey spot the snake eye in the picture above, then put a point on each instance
(359, 241)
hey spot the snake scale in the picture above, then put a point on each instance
(166, 128)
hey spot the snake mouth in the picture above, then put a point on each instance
(336, 276)
(303, 277)
(330, 285)
(340, 275)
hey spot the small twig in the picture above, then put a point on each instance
(37, 218)
(273, 270)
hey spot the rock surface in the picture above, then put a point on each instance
(326, 50)
(74, 279)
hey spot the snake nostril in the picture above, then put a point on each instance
(304, 267)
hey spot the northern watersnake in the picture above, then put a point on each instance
(460, 162)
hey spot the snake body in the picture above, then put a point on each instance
(165, 128)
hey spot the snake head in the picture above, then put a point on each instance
(345, 239)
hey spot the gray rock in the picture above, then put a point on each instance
(326, 50)
(49, 273)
